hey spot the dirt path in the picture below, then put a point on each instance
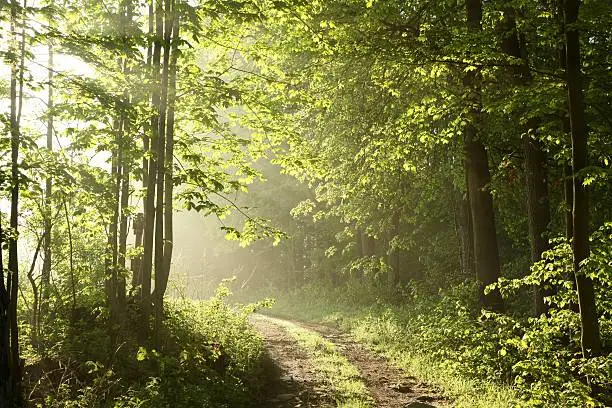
(389, 387)
(291, 381)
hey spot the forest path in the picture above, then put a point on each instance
(385, 384)
(291, 380)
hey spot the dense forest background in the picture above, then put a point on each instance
(433, 176)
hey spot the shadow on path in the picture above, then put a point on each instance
(290, 379)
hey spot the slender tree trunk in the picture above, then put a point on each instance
(13, 261)
(137, 226)
(568, 193)
(591, 341)
(486, 253)
(125, 169)
(48, 233)
(112, 247)
(164, 28)
(145, 138)
(568, 177)
(168, 180)
(149, 213)
(70, 256)
(123, 230)
(5, 355)
(35, 294)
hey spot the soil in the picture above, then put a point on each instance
(291, 380)
(294, 382)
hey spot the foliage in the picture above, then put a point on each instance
(211, 358)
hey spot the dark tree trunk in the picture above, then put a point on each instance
(149, 213)
(164, 29)
(486, 253)
(168, 181)
(5, 371)
(13, 385)
(591, 341)
(536, 174)
(463, 217)
(48, 233)
(538, 210)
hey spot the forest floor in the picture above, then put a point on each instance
(311, 365)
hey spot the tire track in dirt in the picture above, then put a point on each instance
(291, 379)
(389, 387)
(387, 384)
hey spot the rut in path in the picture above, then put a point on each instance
(291, 378)
(299, 385)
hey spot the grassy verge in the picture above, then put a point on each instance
(337, 372)
(407, 335)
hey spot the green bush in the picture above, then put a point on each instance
(210, 357)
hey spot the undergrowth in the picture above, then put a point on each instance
(210, 357)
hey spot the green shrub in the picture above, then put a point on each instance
(210, 357)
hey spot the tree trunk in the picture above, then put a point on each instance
(538, 210)
(125, 162)
(5, 371)
(48, 233)
(536, 174)
(112, 248)
(168, 180)
(164, 28)
(149, 213)
(14, 362)
(591, 341)
(138, 227)
(486, 253)
(463, 217)
(123, 230)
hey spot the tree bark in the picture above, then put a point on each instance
(536, 174)
(164, 28)
(590, 338)
(48, 233)
(168, 180)
(149, 212)
(463, 217)
(14, 371)
(486, 253)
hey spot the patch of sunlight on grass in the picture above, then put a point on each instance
(464, 393)
(344, 379)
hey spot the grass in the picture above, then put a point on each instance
(331, 366)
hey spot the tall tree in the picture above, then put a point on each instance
(536, 174)
(590, 338)
(486, 252)
(155, 9)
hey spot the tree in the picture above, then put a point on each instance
(591, 342)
